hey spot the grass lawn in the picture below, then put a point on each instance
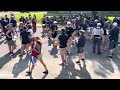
(111, 18)
(39, 15)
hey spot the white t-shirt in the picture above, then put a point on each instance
(97, 31)
(31, 32)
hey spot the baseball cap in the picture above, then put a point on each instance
(55, 22)
(98, 24)
(115, 24)
(68, 22)
(82, 31)
(96, 20)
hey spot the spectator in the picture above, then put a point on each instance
(97, 38)
(80, 46)
(62, 43)
(113, 39)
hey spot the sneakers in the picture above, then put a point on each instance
(45, 72)
(28, 73)
(109, 56)
(78, 62)
(11, 54)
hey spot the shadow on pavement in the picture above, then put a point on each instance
(6, 58)
(31, 76)
(1, 42)
(54, 52)
(69, 71)
(44, 76)
(102, 60)
(20, 66)
(49, 42)
(84, 74)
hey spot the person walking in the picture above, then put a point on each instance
(10, 39)
(36, 54)
(97, 38)
(25, 40)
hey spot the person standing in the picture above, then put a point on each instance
(69, 32)
(62, 43)
(3, 25)
(113, 39)
(6, 19)
(9, 38)
(29, 29)
(14, 24)
(54, 30)
(34, 21)
(36, 54)
(105, 38)
(80, 46)
(24, 36)
(97, 38)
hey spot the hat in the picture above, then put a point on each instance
(82, 31)
(21, 22)
(98, 24)
(55, 22)
(68, 22)
(96, 20)
(115, 24)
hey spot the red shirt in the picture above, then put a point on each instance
(33, 52)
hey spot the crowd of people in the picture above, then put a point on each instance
(100, 30)
(103, 33)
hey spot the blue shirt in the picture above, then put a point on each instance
(81, 41)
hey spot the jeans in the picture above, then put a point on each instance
(96, 42)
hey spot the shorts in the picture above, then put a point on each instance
(11, 43)
(39, 56)
(112, 44)
(25, 43)
(63, 51)
(33, 59)
(80, 49)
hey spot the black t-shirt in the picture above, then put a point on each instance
(7, 20)
(114, 34)
(10, 35)
(13, 22)
(25, 37)
(69, 31)
(63, 40)
(3, 23)
(54, 27)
